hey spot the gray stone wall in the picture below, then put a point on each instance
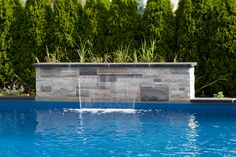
(111, 82)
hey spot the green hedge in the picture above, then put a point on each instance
(94, 25)
(123, 24)
(159, 26)
(66, 26)
(117, 31)
(6, 20)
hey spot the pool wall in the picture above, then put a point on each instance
(115, 82)
(184, 107)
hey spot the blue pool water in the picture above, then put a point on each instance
(155, 130)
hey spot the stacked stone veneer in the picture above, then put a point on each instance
(111, 82)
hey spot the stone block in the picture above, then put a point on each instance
(77, 93)
(129, 76)
(152, 72)
(157, 93)
(84, 93)
(88, 80)
(93, 87)
(108, 78)
(181, 88)
(180, 70)
(46, 88)
(50, 72)
(178, 97)
(88, 71)
(157, 80)
(109, 71)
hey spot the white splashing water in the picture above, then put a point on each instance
(101, 111)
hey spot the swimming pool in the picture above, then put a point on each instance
(31, 128)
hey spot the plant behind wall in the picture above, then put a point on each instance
(104, 31)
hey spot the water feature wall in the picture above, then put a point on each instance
(115, 82)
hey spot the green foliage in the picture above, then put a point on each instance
(123, 24)
(6, 19)
(202, 31)
(185, 30)
(30, 33)
(94, 23)
(159, 26)
(219, 95)
(148, 52)
(14, 90)
(38, 18)
(66, 27)
(220, 61)
(21, 57)
(84, 51)
(206, 34)
(121, 55)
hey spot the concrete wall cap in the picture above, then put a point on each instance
(135, 65)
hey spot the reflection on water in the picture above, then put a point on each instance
(17, 124)
(192, 135)
(115, 133)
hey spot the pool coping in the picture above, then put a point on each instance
(213, 100)
(164, 64)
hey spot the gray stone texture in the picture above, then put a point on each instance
(153, 94)
(115, 82)
(46, 88)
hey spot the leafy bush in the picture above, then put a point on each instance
(94, 24)
(219, 95)
(185, 32)
(201, 31)
(6, 19)
(66, 28)
(159, 26)
(38, 18)
(13, 90)
(123, 24)
(217, 49)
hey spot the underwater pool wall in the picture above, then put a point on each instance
(115, 82)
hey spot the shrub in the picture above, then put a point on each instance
(94, 23)
(14, 90)
(30, 34)
(67, 27)
(185, 31)
(220, 61)
(159, 26)
(123, 24)
(6, 19)
(38, 18)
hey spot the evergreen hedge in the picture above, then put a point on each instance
(220, 64)
(185, 32)
(66, 27)
(21, 57)
(94, 24)
(123, 24)
(38, 18)
(201, 31)
(6, 19)
(159, 26)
